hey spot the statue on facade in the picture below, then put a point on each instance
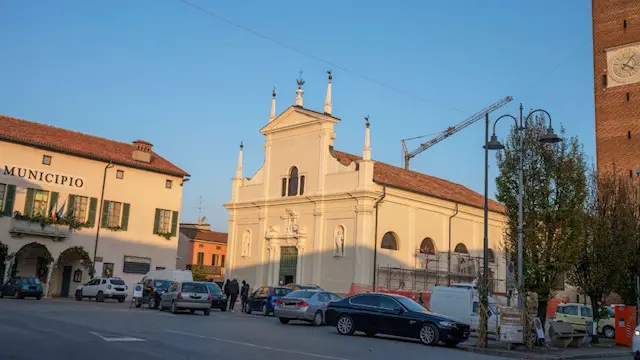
(246, 244)
(339, 241)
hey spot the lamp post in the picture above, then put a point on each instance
(494, 144)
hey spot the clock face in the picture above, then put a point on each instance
(626, 63)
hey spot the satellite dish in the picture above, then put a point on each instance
(204, 218)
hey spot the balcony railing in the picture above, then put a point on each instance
(207, 269)
(56, 232)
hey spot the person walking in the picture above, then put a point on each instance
(234, 290)
(244, 295)
(225, 291)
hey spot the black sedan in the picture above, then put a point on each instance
(395, 315)
(218, 300)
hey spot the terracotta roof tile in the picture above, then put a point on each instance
(205, 235)
(79, 144)
(385, 174)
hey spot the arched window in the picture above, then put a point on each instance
(461, 249)
(427, 247)
(293, 182)
(389, 241)
(492, 256)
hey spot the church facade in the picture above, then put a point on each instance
(315, 215)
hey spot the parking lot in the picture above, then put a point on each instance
(67, 329)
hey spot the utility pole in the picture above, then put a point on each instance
(200, 208)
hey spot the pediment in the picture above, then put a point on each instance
(295, 117)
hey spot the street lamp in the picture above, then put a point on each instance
(549, 137)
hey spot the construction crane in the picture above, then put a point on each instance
(408, 155)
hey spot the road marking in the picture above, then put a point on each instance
(112, 338)
(256, 346)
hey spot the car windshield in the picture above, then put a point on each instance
(194, 288)
(410, 304)
(301, 294)
(214, 289)
(117, 281)
(281, 291)
(162, 284)
(30, 281)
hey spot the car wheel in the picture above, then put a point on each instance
(207, 312)
(247, 309)
(79, 295)
(121, 300)
(174, 308)
(283, 320)
(609, 332)
(265, 310)
(317, 319)
(153, 303)
(100, 297)
(345, 325)
(429, 334)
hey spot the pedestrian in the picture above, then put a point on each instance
(234, 290)
(225, 292)
(244, 295)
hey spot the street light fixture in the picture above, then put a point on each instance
(549, 137)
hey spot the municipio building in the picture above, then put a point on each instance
(68, 199)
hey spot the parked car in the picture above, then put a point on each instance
(21, 287)
(168, 274)
(462, 303)
(305, 305)
(218, 300)
(578, 315)
(375, 313)
(188, 295)
(264, 299)
(103, 288)
(635, 347)
(303, 287)
(152, 290)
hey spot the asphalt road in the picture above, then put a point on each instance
(66, 329)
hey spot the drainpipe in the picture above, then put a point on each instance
(99, 216)
(449, 253)
(375, 240)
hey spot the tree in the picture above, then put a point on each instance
(610, 234)
(554, 194)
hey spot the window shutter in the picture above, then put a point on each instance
(174, 223)
(125, 216)
(93, 205)
(53, 202)
(156, 222)
(28, 203)
(11, 198)
(105, 214)
(72, 202)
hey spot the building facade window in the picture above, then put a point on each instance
(119, 174)
(40, 201)
(200, 260)
(222, 261)
(461, 249)
(214, 259)
(168, 184)
(302, 185)
(165, 221)
(46, 160)
(107, 269)
(284, 187)
(293, 182)
(80, 204)
(3, 188)
(113, 214)
(136, 265)
(389, 241)
(492, 256)
(427, 247)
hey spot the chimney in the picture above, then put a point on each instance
(142, 151)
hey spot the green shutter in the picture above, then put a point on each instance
(174, 223)
(125, 216)
(156, 222)
(53, 202)
(93, 205)
(105, 214)
(28, 203)
(72, 201)
(10, 196)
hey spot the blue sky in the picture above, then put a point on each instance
(196, 86)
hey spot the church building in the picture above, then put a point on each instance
(316, 215)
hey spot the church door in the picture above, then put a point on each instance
(288, 265)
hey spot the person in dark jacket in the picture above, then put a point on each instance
(225, 292)
(234, 290)
(244, 295)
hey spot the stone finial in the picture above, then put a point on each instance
(300, 81)
(366, 151)
(327, 102)
(239, 167)
(273, 105)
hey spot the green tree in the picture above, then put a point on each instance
(553, 201)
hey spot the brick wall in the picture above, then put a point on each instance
(617, 119)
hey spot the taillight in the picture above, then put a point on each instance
(210, 298)
(302, 304)
(179, 295)
(278, 302)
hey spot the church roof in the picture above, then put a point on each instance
(385, 174)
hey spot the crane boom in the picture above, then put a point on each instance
(408, 155)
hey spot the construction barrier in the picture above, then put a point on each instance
(420, 297)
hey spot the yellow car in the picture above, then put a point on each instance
(578, 315)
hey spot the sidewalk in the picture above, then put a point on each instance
(596, 351)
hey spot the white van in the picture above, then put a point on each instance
(169, 274)
(462, 303)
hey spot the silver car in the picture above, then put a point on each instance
(187, 295)
(306, 305)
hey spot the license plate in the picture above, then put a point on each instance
(119, 289)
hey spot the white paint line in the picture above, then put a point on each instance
(115, 338)
(221, 316)
(256, 346)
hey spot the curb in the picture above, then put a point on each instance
(526, 355)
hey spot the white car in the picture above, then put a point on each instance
(636, 343)
(103, 288)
